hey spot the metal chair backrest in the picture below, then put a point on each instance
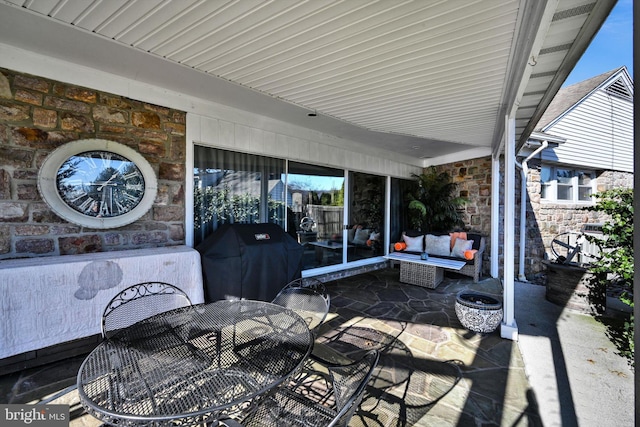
(308, 297)
(349, 382)
(322, 394)
(139, 302)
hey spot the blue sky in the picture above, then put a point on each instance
(611, 48)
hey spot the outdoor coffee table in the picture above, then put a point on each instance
(190, 365)
(427, 273)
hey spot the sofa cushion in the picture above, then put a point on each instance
(414, 244)
(416, 250)
(457, 235)
(476, 240)
(361, 236)
(460, 247)
(399, 246)
(351, 234)
(437, 245)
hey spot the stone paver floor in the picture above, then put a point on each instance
(432, 371)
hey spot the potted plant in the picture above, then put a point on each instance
(434, 206)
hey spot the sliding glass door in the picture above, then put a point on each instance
(231, 187)
(317, 211)
(307, 200)
(399, 207)
(365, 231)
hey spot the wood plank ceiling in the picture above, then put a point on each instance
(431, 75)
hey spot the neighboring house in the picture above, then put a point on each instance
(248, 183)
(592, 122)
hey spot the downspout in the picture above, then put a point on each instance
(524, 168)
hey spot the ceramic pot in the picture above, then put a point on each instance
(478, 312)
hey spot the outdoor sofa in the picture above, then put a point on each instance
(461, 246)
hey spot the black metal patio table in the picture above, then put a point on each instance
(190, 365)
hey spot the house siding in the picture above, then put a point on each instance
(599, 136)
(599, 132)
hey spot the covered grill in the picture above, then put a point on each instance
(249, 261)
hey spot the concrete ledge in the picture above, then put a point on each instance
(49, 301)
(340, 274)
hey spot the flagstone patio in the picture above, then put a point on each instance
(432, 371)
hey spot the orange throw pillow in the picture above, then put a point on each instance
(400, 246)
(469, 254)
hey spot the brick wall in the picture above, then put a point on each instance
(38, 115)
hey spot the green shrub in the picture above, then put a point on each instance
(615, 264)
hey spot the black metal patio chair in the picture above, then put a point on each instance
(308, 297)
(322, 394)
(139, 302)
(135, 303)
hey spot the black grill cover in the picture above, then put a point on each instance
(249, 261)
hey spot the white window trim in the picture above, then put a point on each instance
(552, 188)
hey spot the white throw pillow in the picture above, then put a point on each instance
(414, 244)
(362, 234)
(460, 246)
(438, 245)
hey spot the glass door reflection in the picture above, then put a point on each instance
(316, 210)
(366, 216)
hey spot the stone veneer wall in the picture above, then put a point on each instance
(545, 220)
(38, 115)
(474, 183)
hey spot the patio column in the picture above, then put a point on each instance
(495, 215)
(509, 328)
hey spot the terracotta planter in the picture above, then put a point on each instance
(478, 312)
